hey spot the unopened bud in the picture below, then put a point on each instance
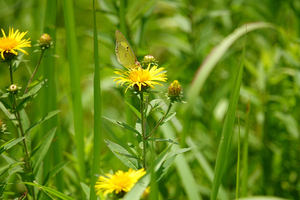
(45, 41)
(149, 59)
(174, 91)
(14, 88)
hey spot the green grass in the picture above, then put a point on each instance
(200, 44)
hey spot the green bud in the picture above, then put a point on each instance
(45, 41)
(174, 90)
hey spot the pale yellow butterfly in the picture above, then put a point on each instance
(124, 52)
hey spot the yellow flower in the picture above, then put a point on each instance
(140, 78)
(13, 42)
(119, 182)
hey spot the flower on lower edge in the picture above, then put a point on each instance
(120, 182)
(141, 79)
(9, 45)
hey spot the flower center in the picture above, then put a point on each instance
(121, 181)
(139, 75)
(7, 44)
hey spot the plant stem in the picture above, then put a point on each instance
(36, 68)
(238, 161)
(19, 125)
(143, 129)
(161, 120)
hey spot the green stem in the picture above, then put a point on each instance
(143, 129)
(19, 125)
(36, 68)
(238, 162)
(161, 120)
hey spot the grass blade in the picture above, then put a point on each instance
(227, 130)
(97, 111)
(73, 55)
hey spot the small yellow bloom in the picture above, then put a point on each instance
(13, 42)
(119, 182)
(141, 78)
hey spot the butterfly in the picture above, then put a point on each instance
(124, 52)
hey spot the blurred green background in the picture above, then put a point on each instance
(180, 34)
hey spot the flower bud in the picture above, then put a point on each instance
(149, 59)
(45, 41)
(14, 88)
(174, 90)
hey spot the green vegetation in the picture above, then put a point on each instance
(238, 66)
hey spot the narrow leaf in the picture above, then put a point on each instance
(40, 154)
(122, 124)
(123, 155)
(227, 130)
(50, 190)
(10, 144)
(134, 109)
(46, 117)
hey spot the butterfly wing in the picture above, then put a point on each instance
(124, 52)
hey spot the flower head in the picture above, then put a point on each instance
(174, 91)
(149, 59)
(141, 79)
(14, 88)
(120, 182)
(45, 41)
(9, 45)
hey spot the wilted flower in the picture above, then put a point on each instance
(120, 182)
(9, 45)
(141, 79)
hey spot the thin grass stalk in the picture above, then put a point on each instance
(208, 65)
(227, 130)
(238, 161)
(49, 96)
(73, 55)
(97, 111)
(127, 98)
(244, 183)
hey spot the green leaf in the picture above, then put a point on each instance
(168, 117)
(152, 106)
(162, 140)
(123, 125)
(46, 117)
(50, 190)
(41, 152)
(23, 104)
(85, 189)
(10, 144)
(55, 170)
(6, 104)
(169, 160)
(227, 129)
(45, 195)
(134, 110)
(138, 127)
(137, 191)
(33, 92)
(123, 155)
